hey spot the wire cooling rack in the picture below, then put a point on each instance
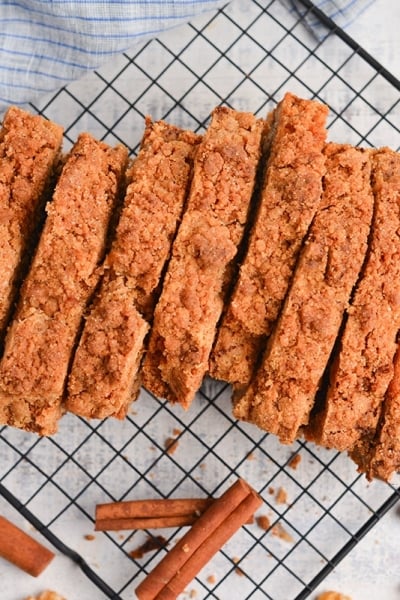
(246, 55)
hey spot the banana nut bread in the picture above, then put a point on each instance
(103, 378)
(62, 277)
(363, 366)
(30, 148)
(282, 393)
(290, 194)
(200, 269)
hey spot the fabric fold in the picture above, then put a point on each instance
(45, 45)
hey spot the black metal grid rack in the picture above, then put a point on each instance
(246, 55)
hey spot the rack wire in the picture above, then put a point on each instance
(245, 55)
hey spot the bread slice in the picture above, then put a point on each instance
(283, 391)
(363, 366)
(62, 277)
(30, 148)
(291, 192)
(201, 265)
(377, 452)
(381, 459)
(103, 379)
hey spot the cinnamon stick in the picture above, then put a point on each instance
(160, 513)
(22, 550)
(149, 514)
(208, 534)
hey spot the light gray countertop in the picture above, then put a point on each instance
(370, 571)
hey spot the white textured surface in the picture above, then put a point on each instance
(371, 570)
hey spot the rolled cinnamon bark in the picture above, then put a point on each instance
(150, 514)
(210, 532)
(21, 550)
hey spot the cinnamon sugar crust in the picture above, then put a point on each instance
(382, 458)
(201, 265)
(62, 277)
(290, 194)
(378, 453)
(103, 379)
(282, 393)
(30, 149)
(363, 366)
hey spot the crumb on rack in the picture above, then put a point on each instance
(89, 537)
(211, 579)
(281, 496)
(279, 531)
(294, 461)
(46, 595)
(263, 522)
(238, 570)
(332, 596)
(171, 444)
(150, 544)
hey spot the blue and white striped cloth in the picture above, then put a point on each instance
(47, 43)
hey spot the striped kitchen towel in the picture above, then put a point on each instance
(46, 44)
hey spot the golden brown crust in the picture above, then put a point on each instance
(363, 366)
(379, 456)
(160, 178)
(290, 195)
(29, 152)
(102, 380)
(282, 393)
(382, 459)
(201, 265)
(61, 279)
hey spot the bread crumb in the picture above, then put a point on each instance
(294, 461)
(171, 444)
(47, 595)
(263, 522)
(152, 543)
(211, 579)
(279, 531)
(238, 570)
(281, 496)
(271, 491)
(90, 537)
(250, 456)
(193, 594)
(332, 596)
(185, 548)
(176, 432)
